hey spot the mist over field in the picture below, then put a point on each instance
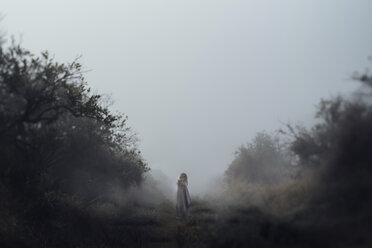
(202, 78)
(266, 106)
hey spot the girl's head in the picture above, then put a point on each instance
(183, 177)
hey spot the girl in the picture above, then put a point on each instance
(183, 197)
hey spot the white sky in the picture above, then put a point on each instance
(199, 78)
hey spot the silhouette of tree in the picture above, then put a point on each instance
(56, 134)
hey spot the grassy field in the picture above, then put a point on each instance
(211, 225)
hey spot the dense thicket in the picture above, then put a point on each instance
(58, 141)
(339, 149)
(328, 202)
(55, 134)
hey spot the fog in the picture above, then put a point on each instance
(265, 105)
(198, 79)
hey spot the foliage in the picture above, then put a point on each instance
(329, 202)
(264, 160)
(57, 137)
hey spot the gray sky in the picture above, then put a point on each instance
(199, 78)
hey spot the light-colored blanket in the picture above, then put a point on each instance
(183, 201)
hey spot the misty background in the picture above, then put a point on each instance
(199, 78)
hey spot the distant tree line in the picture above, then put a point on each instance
(264, 160)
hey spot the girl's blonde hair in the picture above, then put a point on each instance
(183, 178)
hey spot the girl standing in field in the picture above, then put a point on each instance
(183, 197)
